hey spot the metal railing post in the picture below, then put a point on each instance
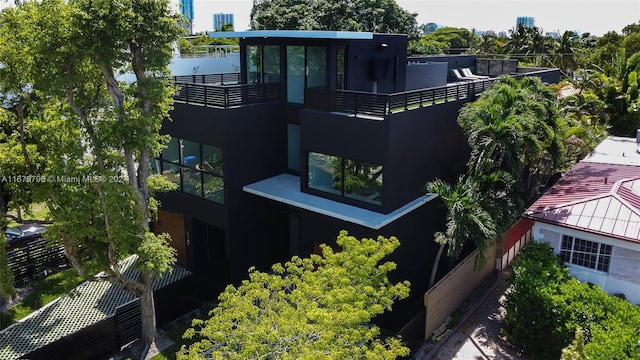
(355, 105)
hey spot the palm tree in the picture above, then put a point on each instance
(517, 40)
(565, 51)
(487, 44)
(513, 127)
(468, 220)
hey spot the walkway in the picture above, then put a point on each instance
(478, 335)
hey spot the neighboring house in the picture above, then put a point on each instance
(320, 134)
(591, 218)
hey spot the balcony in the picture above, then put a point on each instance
(378, 106)
(223, 91)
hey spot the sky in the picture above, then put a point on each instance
(594, 16)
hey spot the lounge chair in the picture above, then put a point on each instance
(467, 73)
(460, 77)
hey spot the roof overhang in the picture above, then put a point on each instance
(294, 34)
(285, 188)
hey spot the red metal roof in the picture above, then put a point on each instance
(594, 197)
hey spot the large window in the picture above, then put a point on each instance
(349, 178)
(196, 168)
(306, 67)
(585, 253)
(295, 74)
(263, 64)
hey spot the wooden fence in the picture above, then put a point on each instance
(449, 293)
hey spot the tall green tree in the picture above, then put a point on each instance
(620, 94)
(565, 50)
(380, 16)
(513, 127)
(99, 133)
(517, 40)
(488, 44)
(468, 220)
(314, 308)
(20, 157)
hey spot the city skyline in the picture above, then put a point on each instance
(594, 16)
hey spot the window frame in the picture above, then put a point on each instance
(586, 253)
(192, 170)
(342, 192)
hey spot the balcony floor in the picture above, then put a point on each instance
(285, 188)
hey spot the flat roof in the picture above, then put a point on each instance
(299, 34)
(616, 150)
(285, 188)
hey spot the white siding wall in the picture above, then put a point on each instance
(624, 271)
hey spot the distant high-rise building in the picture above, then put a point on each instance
(221, 19)
(552, 34)
(502, 34)
(186, 9)
(525, 21)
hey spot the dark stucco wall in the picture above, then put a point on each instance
(253, 139)
(424, 144)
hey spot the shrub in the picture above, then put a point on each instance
(548, 311)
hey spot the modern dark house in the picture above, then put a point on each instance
(321, 131)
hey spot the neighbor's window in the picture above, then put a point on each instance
(585, 253)
(358, 180)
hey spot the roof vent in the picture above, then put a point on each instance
(605, 180)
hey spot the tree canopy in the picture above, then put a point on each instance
(514, 127)
(551, 314)
(96, 132)
(379, 16)
(313, 308)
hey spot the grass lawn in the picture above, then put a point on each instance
(36, 212)
(43, 292)
(174, 334)
(175, 330)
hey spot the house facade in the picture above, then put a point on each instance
(591, 218)
(321, 131)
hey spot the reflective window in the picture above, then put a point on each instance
(316, 66)
(199, 172)
(349, 178)
(254, 64)
(340, 69)
(271, 64)
(211, 159)
(172, 151)
(362, 181)
(295, 74)
(325, 173)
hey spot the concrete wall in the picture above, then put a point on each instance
(448, 293)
